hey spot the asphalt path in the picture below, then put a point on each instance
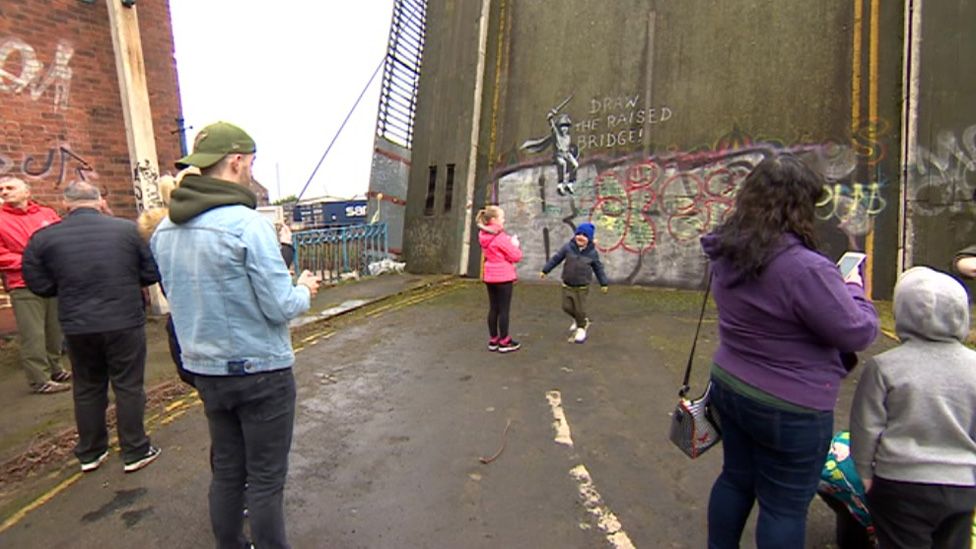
(400, 405)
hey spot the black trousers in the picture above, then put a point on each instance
(119, 358)
(499, 304)
(909, 514)
(251, 419)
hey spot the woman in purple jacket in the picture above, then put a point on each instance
(501, 253)
(785, 318)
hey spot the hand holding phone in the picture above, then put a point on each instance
(310, 281)
(849, 264)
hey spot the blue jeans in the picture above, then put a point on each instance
(251, 419)
(772, 455)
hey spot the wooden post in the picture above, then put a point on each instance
(130, 66)
(134, 91)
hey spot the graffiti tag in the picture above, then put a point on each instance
(31, 77)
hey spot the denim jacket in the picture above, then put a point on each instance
(230, 294)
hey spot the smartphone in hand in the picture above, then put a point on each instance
(849, 263)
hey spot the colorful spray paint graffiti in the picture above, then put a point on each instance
(651, 210)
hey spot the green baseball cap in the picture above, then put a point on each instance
(215, 142)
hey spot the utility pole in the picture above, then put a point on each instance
(130, 66)
(278, 179)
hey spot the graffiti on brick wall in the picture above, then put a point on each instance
(21, 71)
(657, 206)
(943, 177)
(58, 164)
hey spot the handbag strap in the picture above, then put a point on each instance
(684, 384)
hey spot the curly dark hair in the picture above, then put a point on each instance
(779, 196)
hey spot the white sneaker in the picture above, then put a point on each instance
(145, 460)
(89, 466)
(572, 327)
(580, 335)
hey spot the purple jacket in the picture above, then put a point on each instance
(783, 331)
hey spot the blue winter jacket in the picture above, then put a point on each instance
(580, 264)
(229, 291)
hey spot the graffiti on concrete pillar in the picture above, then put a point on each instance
(651, 209)
(145, 185)
(565, 153)
(618, 121)
(59, 164)
(943, 178)
(20, 70)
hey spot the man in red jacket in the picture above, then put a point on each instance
(37, 317)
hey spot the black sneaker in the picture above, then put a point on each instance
(150, 457)
(89, 466)
(492, 344)
(508, 346)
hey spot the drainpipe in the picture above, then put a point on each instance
(475, 130)
(909, 128)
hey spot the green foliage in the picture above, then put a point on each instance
(285, 200)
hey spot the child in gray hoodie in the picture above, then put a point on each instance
(913, 421)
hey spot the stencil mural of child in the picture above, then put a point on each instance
(565, 153)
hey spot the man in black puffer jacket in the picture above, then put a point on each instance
(97, 266)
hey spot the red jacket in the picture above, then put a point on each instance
(16, 228)
(500, 254)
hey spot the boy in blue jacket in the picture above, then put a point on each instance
(582, 260)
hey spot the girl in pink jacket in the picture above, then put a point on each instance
(501, 252)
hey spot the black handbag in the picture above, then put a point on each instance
(694, 426)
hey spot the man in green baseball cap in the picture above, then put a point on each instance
(231, 297)
(215, 142)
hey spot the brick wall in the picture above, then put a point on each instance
(60, 109)
(59, 97)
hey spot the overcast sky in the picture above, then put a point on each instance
(288, 73)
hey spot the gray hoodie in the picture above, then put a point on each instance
(914, 412)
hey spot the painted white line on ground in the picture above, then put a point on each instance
(560, 424)
(593, 501)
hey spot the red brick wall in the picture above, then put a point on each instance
(66, 122)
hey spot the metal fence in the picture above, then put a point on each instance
(330, 253)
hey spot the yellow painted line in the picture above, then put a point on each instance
(171, 418)
(407, 302)
(47, 496)
(606, 520)
(594, 503)
(559, 423)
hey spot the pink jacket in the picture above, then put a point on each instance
(500, 254)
